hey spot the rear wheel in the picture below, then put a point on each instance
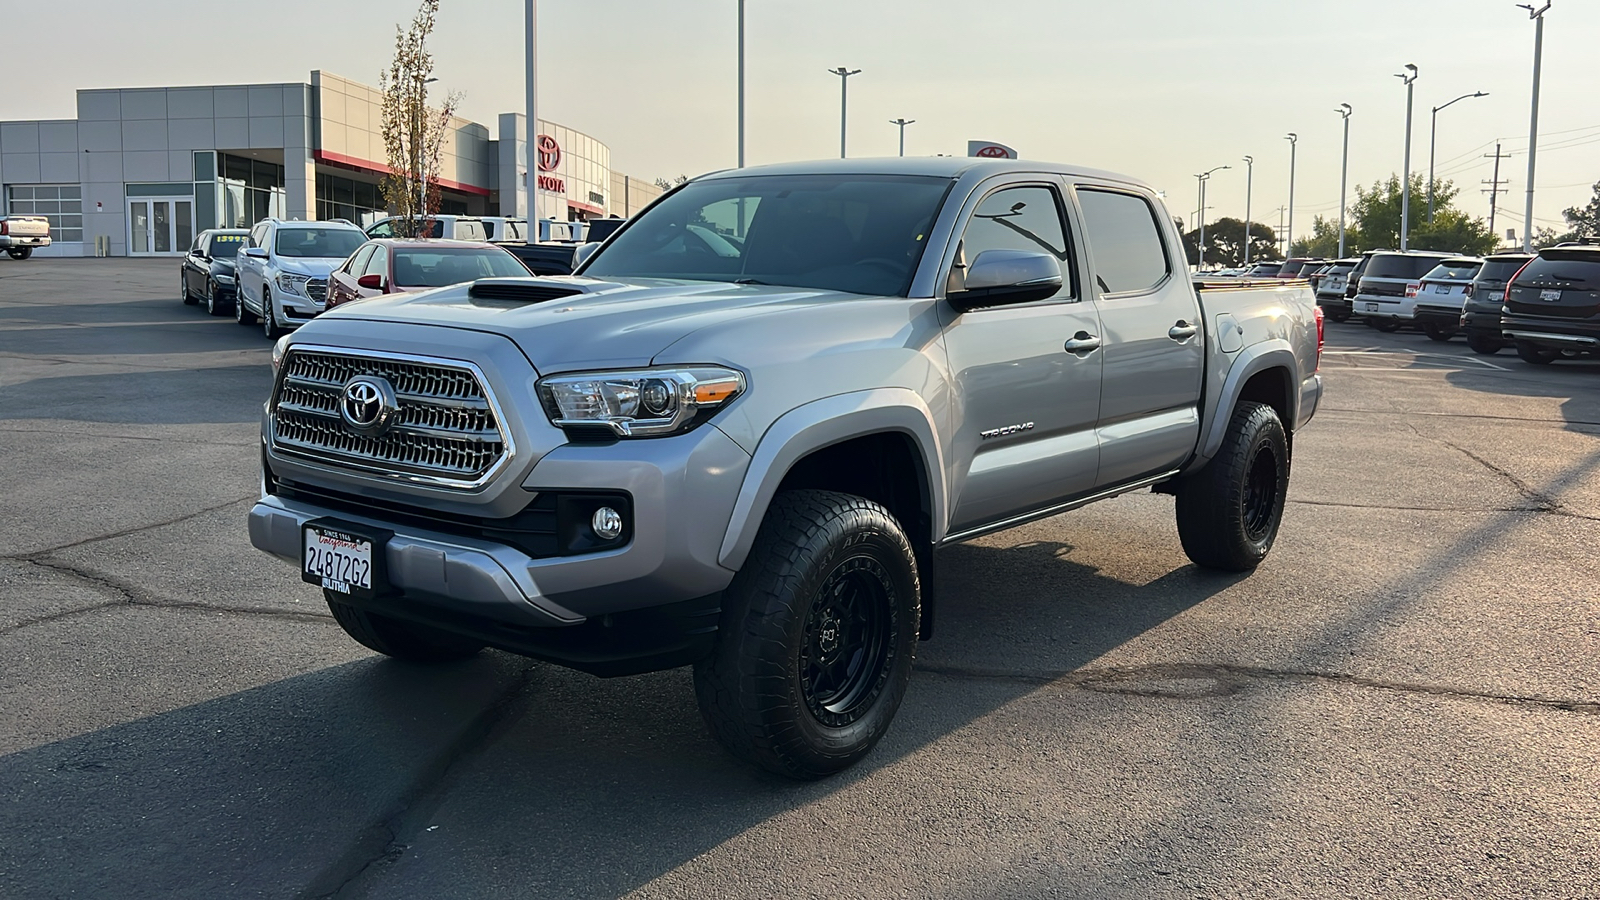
(1482, 343)
(815, 643)
(1438, 331)
(1530, 352)
(1229, 511)
(399, 638)
(211, 298)
(1384, 325)
(19, 252)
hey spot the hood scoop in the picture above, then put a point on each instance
(523, 290)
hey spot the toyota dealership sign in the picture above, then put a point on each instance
(990, 150)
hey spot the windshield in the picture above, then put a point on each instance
(861, 234)
(1394, 265)
(225, 246)
(1500, 269)
(1453, 271)
(438, 268)
(318, 243)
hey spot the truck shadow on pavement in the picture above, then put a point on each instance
(496, 777)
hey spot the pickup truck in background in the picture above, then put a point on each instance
(739, 435)
(21, 235)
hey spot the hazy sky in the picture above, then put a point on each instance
(1159, 89)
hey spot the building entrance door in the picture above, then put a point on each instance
(160, 226)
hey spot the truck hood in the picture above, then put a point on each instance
(621, 323)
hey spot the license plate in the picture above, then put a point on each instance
(1550, 295)
(342, 560)
(1371, 307)
(1441, 289)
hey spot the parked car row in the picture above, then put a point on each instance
(1546, 305)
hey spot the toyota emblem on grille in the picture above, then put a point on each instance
(367, 405)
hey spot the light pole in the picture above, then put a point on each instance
(1409, 77)
(1344, 112)
(1433, 134)
(1288, 244)
(1200, 258)
(741, 84)
(533, 115)
(844, 94)
(1537, 15)
(902, 122)
(1249, 178)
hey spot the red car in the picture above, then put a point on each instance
(395, 265)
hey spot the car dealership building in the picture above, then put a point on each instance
(140, 171)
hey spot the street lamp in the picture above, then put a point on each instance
(1433, 134)
(902, 122)
(1409, 77)
(1204, 177)
(1288, 243)
(1537, 15)
(1344, 112)
(844, 82)
(1249, 177)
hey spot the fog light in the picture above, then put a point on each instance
(606, 523)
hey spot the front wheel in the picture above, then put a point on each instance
(1229, 511)
(399, 638)
(189, 299)
(816, 638)
(269, 319)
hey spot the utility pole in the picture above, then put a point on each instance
(1249, 176)
(1409, 77)
(844, 96)
(1494, 185)
(1294, 141)
(902, 122)
(1537, 15)
(1277, 238)
(1344, 112)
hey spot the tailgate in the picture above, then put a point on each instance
(26, 226)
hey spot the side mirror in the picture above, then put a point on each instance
(256, 252)
(198, 252)
(371, 282)
(1001, 277)
(581, 254)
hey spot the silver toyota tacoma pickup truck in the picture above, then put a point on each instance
(738, 435)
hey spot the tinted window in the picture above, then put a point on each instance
(1266, 270)
(1563, 272)
(1453, 271)
(225, 245)
(856, 233)
(318, 243)
(438, 268)
(381, 230)
(1394, 265)
(1019, 218)
(1124, 244)
(467, 230)
(1500, 269)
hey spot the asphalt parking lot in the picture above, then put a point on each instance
(1404, 701)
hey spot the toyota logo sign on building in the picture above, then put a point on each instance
(990, 150)
(549, 153)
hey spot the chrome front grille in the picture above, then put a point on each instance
(317, 289)
(443, 431)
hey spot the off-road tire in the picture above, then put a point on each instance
(1229, 511)
(1487, 346)
(1530, 352)
(398, 638)
(761, 691)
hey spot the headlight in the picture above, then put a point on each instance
(278, 350)
(294, 284)
(639, 402)
(222, 277)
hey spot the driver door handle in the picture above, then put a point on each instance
(1182, 331)
(1082, 342)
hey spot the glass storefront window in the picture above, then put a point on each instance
(62, 204)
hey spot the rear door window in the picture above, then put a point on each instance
(1125, 243)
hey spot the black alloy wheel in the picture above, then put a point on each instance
(844, 660)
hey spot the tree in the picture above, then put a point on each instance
(1324, 240)
(666, 185)
(1225, 243)
(413, 134)
(1584, 220)
(1376, 214)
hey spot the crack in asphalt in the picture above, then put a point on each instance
(131, 595)
(1169, 680)
(1395, 412)
(1547, 503)
(386, 841)
(1477, 509)
(33, 555)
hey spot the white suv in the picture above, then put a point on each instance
(283, 270)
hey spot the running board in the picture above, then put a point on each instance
(1058, 509)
